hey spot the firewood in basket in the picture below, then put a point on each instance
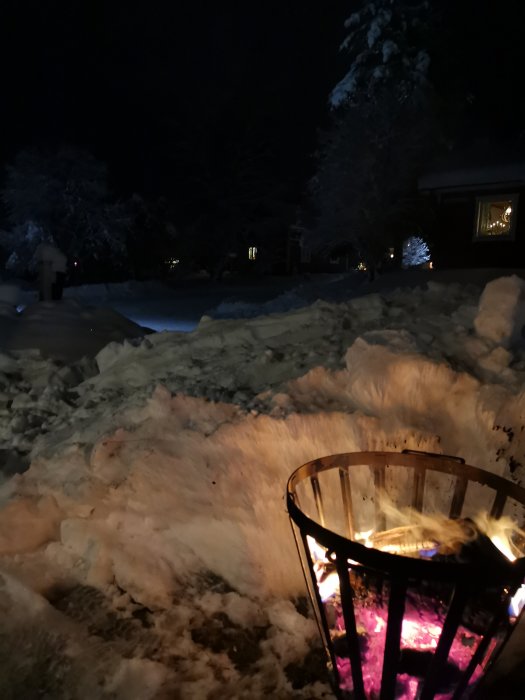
(400, 540)
(445, 536)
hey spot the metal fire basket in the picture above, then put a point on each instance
(400, 614)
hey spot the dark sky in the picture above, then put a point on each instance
(144, 85)
(169, 92)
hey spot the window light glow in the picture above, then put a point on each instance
(494, 217)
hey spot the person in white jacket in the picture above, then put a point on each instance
(52, 268)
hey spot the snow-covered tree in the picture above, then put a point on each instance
(385, 44)
(19, 247)
(382, 129)
(64, 197)
(364, 191)
(415, 252)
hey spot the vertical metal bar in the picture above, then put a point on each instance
(379, 483)
(498, 505)
(418, 489)
(346, 492)
(396, 610)
(450, 628)
(316, 488)
(480, 652)
(459, 497)
(352, 637)
(319, 608)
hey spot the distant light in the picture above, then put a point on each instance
(172, 262)
(75, 264)
(20, 308)
(431, 265)
(252, 252)
(391, 255)
(361, 266)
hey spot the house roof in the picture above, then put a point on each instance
(477, 177)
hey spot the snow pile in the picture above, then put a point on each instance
(65, 330)
(293, 299)
(501, 316)
(156, 538)
(325, 287)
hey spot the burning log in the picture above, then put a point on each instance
(460, 540)
(401, 540)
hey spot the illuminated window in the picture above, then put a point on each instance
(496, 217)
(252, 252)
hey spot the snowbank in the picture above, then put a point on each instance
(66, 331)
(155, 493)
(501, 316)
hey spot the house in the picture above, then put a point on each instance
(480, 214)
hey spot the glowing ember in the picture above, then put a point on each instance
(424, 614)
(420, 635)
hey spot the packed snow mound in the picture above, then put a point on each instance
(501, 314)
(154, 497)
(65, 330)
(327, 287)
(242, 309)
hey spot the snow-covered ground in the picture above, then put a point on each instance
(146, 551)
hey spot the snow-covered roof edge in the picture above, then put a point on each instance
(511, 174)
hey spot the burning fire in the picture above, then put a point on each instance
(327, 581)
(422, 536)
(425, 536)
(501, 533)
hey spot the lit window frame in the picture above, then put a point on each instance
(480, 236)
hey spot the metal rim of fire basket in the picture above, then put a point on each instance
(476, 576)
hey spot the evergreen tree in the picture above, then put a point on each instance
(415, 252)
(383, 128)
(386, 45)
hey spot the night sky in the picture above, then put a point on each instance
(178, 97)
(144, 84)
